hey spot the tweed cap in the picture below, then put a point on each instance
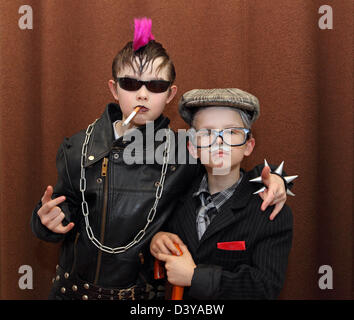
(228, 97)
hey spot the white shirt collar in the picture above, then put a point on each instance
(116, 135)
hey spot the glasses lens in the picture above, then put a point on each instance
(203, 138)
(157, 86)
(129, 84)
(234, 136)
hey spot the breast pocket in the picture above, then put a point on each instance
(231, 254)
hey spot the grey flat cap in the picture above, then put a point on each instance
(229, 97)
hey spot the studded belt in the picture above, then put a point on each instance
(71, 287)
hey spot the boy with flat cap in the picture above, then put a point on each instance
(230, 249)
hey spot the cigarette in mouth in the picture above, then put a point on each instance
(131, 116)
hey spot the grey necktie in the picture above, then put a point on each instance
(203, 218)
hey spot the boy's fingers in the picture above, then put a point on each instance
(166, 244)
(262, 194)
(163, 247)
(266, 176)
(47, 218)
(267, 200)
(61, 229)
(275, 211)
(184, 249)
(47, 195)
(163, 257)
(57, 217)
(176, 239)
(173, 249)
(53, 203)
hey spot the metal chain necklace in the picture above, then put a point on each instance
(152, 212)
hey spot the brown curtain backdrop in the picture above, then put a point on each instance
(54, 79)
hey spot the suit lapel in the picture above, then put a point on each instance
(188, 224)
(230, 211)
(221, 221)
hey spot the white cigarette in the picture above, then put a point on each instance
(131, 116)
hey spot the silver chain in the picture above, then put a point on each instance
(152, 212)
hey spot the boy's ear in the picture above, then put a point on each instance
(172, 93)
(249, 146)
(192, 150)
(113, 88)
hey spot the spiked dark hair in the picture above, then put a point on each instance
(140, 59)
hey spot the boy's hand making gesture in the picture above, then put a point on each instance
(51, 215)
(275, 194)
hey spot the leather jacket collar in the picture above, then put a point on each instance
(102, 137)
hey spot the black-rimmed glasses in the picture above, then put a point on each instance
(234, 137)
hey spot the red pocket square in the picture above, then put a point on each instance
(232, 245)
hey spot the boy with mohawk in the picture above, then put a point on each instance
(104, 210)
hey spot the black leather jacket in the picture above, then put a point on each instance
(119, 202)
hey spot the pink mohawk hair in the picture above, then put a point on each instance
(142, 33)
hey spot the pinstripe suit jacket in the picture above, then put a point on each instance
(257, 272)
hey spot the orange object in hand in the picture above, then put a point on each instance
(177, 291)
(159, 273)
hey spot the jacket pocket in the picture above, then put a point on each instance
(232, 245)
(229, 259)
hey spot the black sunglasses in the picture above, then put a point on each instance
(156, 86)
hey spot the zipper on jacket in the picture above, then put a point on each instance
(103, 216)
